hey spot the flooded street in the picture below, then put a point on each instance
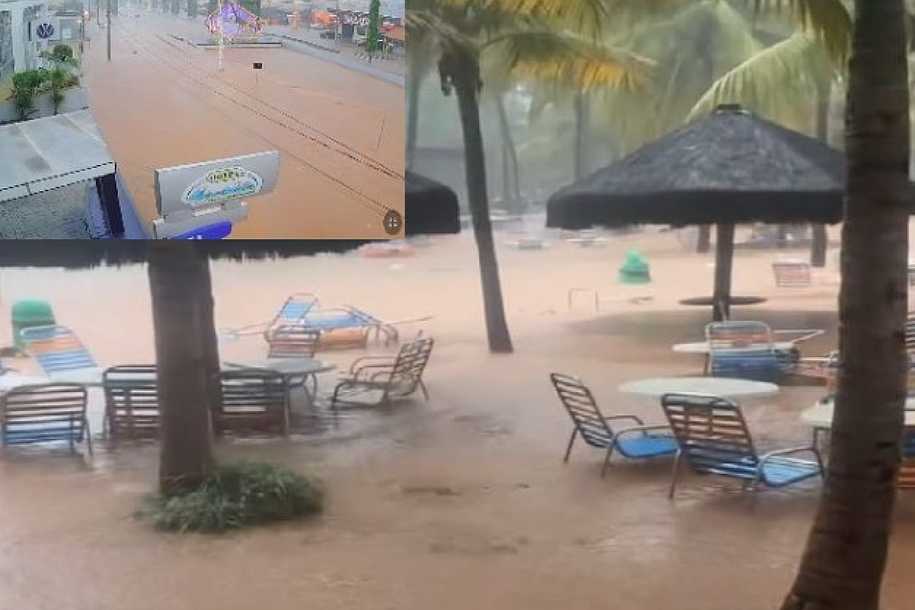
(162, 102)
(460, 502)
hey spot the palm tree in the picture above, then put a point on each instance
(846, 550)
(463, 30)
(421, 60)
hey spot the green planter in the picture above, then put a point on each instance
(635, 269)
(29, 313)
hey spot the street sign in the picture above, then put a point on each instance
(189, 197)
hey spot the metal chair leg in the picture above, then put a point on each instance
(675, 476)
(607, 460)
(569, 448)
(422, 386)
(88, 435)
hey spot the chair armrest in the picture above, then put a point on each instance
(807, 333)
(382, 368)
(642, 429)
(764, 458)
(353, 366)
(635, 418)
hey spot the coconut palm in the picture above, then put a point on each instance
(465, 30)
(846, 550)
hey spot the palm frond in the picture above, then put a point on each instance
(785, 73)
(569, 60)
(584, 16)
(829, 21)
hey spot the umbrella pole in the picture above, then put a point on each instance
(724, 257)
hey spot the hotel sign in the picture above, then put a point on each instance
(189, 197)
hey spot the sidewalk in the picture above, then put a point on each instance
(309, 41)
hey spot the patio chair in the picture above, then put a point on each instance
(382, 379)
(743, 350)
(43, 413)
(131, 401)
(293, 341)
(633, 442)
(714, 439)
(253, 400)
(57, 349)
(906, 479)
(791, 274)
(910, 332)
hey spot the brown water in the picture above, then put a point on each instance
(161, 102)
(461, 502)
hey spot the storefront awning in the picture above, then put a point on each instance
(48, 153)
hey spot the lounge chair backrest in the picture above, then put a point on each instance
(582, 408)
(712, 434)
(791, 274)
(293, 341)
(57, 349)
(294, 309)
(910, 331)
(410, 364)
(41, 413)
(131, 401)
(251, 399)
(742, 349)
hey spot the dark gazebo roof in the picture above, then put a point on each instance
(431, 207)
(729, 167)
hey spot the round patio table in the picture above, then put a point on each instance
(732, 301)
(702, 347)
(820, 415)
(715, 386)
(11, 380)
(295, 371)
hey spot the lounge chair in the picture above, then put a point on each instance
(43, 413)
(293, 341)
(791, 274)
(375, 380)
(714, 439)
(633, 442)
(58, 350)
(294, 308)
(361, 325)
(743, 350)
(131, 401)
(252, 401)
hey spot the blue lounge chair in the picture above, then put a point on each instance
(633, 442)
(57, 349)
(44, 413)
(714, 439)
(293, 310)
(744, 350)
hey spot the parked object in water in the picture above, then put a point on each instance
(791, 273)
(59, 352)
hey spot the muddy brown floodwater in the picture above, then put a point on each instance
(456, 503)
(161, 102)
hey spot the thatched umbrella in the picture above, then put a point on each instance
(431, 207)
(729, 167)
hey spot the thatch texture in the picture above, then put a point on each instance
(729, 167)
(86, 253)
(431, 207)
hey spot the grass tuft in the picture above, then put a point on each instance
(235, 496)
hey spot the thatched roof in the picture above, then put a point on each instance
(86, 253)
(730, 166)
(431, 207)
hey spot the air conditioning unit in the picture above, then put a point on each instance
(44, 30)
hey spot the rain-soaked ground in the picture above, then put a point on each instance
(459, 502)
(161, 102)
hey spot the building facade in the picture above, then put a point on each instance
(17, 52)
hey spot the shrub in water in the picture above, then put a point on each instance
(238, 495)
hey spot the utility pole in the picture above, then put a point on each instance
(108, 12)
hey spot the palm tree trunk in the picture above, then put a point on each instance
(846, 550)
(819, 245)
(464, 71)
(582, 125)
(705, 239)
(414, 85)
(178, 275)
(508, 143)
